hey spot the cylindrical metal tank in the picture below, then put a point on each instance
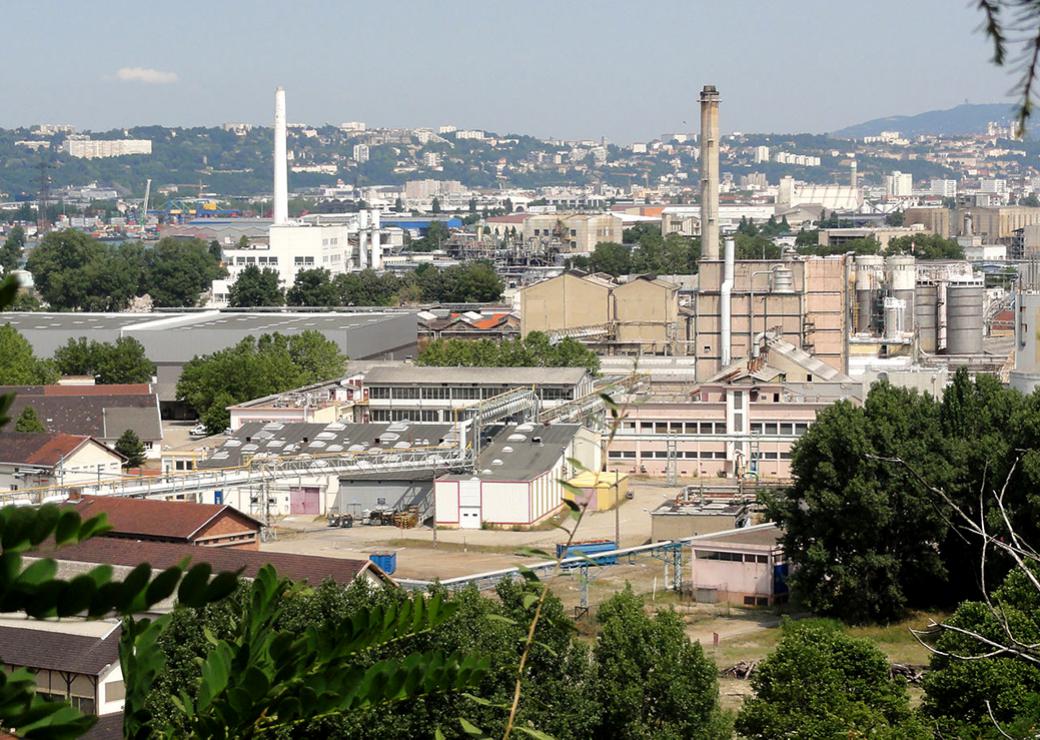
(783, 280)
(902, 279)
(964, 319)
(894, 309)
(870, 273)
(926, 317)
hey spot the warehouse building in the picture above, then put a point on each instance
(743, 567)
(517, 478)
(172, 339)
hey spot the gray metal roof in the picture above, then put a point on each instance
(144, 421)
(522, 452)
(276, 438)
(421, 375)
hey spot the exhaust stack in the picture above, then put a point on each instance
(281, 176)
(710, 172)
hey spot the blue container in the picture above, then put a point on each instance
(588, 549)
(385, 560)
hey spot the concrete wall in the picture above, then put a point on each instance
(647, 313)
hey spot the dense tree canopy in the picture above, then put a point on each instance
(254, 368)
(867, 536)
(535, 350)
(652, 254)
(957, 689)
(18, 364)
(123, 361)
(926, 246)
(178, 271)
(821, 683)
(74, 272)
(651, 680)
(255, 287)
(312, 288)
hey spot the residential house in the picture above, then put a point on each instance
(40, 460)
(153, 520)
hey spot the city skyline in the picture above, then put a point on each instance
(333, 72)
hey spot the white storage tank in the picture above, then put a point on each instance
(901, 272)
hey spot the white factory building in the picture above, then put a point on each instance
(517, 478)
(334, 243)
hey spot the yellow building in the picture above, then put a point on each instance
(637, 317)
(602, 490)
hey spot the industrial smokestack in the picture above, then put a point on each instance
(853, 176)
(710, 173)
(281, 176)
(374, 241)
(726, 307)
(362, 234)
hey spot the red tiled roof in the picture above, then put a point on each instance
(154, 518)
(160, 555)
(38, 448)
(115, 389)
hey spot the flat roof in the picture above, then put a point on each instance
(415, 374)
(759, 535)
(266, 323)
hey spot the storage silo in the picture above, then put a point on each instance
(926, 317)
(964, 320)
(902, 280)
(870, 274)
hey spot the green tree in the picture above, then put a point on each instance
(11, 251)
(635, 233)
(652, 681)
(253, 368)
(123, 361)
(966, 674)
(472, 282)
(534, 350)
(28, 421)
(256, 287)
(178, 271)
(821, 683)
(611, 258)
(18, 364)
(861, 533)
(895, 218)
(130, 446)
(927, 247)
(434, 238)
(435, 206)
(312, 288)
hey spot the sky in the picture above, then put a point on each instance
(626, 70)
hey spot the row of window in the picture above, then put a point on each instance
(256, 261)
(663, 455)
(331, 242)
(736, 557)
(303, 260)
(457, 393)
(787, 428)
(404, 415)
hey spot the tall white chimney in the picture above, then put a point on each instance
(374, 240)
(281, 175)
(362, 237)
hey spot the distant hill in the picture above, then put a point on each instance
(962, 119)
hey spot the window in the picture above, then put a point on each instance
(379, 392)
(675, 427)
(115, 690)
(801, 428)
(786, 428)
(749, 601)
(435, 392)
(762, 601)
(660, 427)
(574, 232)
(406, 391)
(771, 427)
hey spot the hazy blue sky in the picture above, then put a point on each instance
(625, 70)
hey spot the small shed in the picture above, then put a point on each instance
(602, 490)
